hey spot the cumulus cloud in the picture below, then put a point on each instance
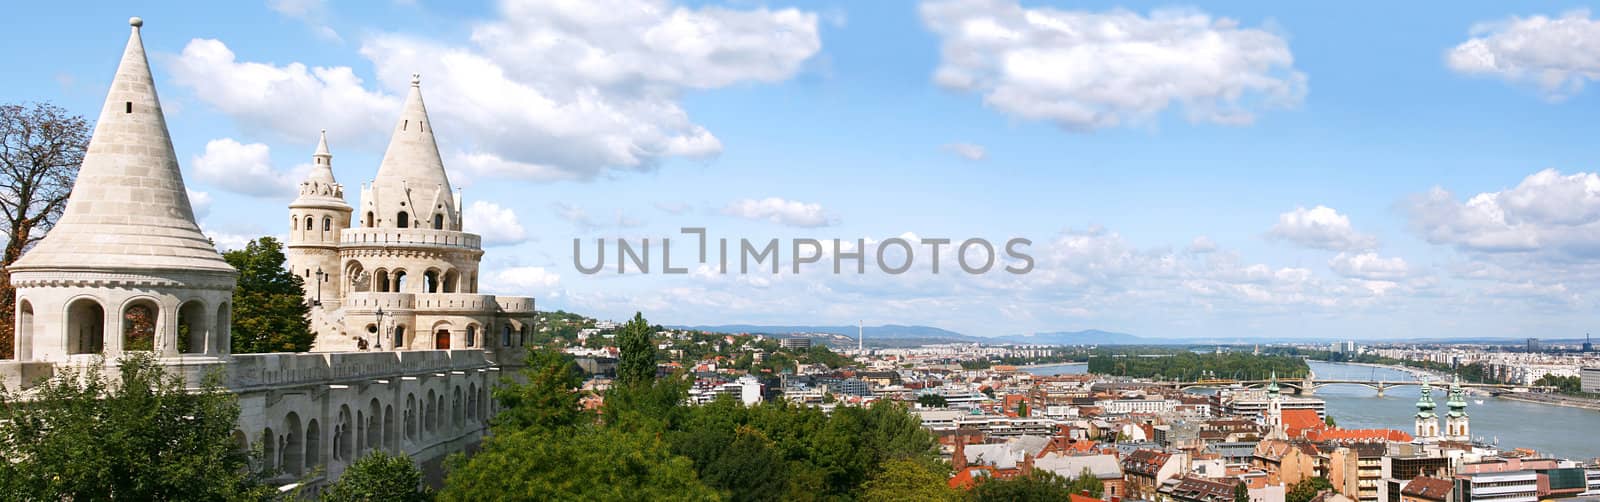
(1201, 245)
(1369, 266)
(1089, 70)
(780, 211)
(244, 169)
(228, 241)
(967, 151)
(291, 101)
(1557, 55)
(1320, 227)
(498, 225)
(313, 13)
(525, 279)
(200, 202)
(1547, 212)
(550, 91)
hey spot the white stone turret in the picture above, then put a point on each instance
(317, 218)
(1457, 425)
(1427, 421)
(126, 267)
(411, 189)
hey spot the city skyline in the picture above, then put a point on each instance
(1408, 183)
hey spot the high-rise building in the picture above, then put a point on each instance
(1534, 345)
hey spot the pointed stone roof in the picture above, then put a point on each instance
(129, 208)
(320, 189)
(322, 171)
(413, 155)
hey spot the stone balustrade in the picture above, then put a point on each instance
(287, 369)
(404, 237)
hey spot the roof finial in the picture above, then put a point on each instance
(416, 79)
(135, 22)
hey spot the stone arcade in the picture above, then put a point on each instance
(406, 349)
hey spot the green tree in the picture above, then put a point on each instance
(1038, 485)
(933, 401)
(379, 476)
(636, 364)
(270, 313)
(549, 399)
(1330, 422)
(1241, 492)
(1307, 489)
(41, 146)
(1087, 482)
(907, 480)
(138, 436)
(749, 469)
(589, 463)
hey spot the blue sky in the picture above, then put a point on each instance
(1229, 169)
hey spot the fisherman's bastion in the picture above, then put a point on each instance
(407, 350)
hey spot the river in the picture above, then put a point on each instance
(1551, 430)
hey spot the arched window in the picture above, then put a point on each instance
(411, 417)
(85, 327)
(269, 451)
(294, 222)
(381, 285)
(472, 335)
(438, 222)
(399, 281)
(430, 281)
(374, 427)
(450, 280)
(293, 445)
(327, 223)
(399, 337)
(192, 328)
(390, 433)
(456, 411)
(24, 331)
(139, 326)
(430, 413)
(505, 335)
(309, 224)
(403, 219)
(313, 444)
(441, 339)
(368, 222)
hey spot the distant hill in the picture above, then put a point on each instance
(1085, 337)
(885, 335)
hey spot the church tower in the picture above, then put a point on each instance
(1275, 409)
(316, 218)
(126, 268)
(1455, 421)
(1427, 420)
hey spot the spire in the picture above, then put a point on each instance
(413, 155)
(1272, 386)
(1425, 402)
(322, 162)
(129, 208)
(1458, 401)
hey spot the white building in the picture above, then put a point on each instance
(126, 270)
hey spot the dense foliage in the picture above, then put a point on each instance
(269, 307)
(379, 476)
(637, 362)
(41, 147)
(1307, 489)
(1185, 365)
(647, 445)
(1476, 372)
(136, 436)
(1038, 485)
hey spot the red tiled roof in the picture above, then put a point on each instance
(1427, 488)
(1359, 435)
(1298, 422)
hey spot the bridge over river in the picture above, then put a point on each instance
(1307, 386)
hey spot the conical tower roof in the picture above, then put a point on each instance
(413, 155)
(1425, 402)
(320, 189)
(128, 209)
(1458, 400)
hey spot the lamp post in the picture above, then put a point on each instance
(381, 331)
(319, 287)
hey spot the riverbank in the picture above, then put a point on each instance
(1049, 365)
(1551, 399)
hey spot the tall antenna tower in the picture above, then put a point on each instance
(861, 340)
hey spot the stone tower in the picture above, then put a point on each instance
(1456, 424)
(1275, 409)
(316, 220)
(126, 268)
(1427, 420)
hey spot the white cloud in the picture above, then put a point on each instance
(967, 151)
(499, 226)
(525, 279)
(1320, 227)
(1558, 55)
(290, 101)
(550, 91)
(780, 211)
(1089, 70)
(1370, 266)
(200, 202)
(313, 13)
(1547, 212)
(227, 241)
(673, 208)
(1201, 245)
(244, 169)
